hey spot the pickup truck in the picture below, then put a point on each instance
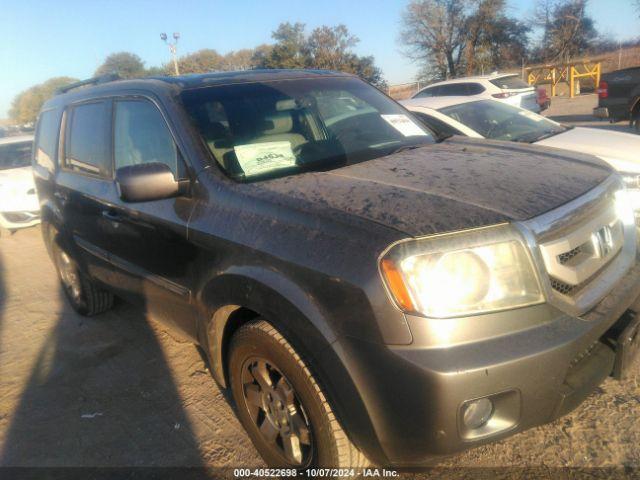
(619, 96)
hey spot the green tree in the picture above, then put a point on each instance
(26, 105)
(125, 64)
(325, 48)
(202, 61)
(289, 50)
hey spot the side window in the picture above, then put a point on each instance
(454, 89)
(427, 92)
(475, 89)
(87, 140)
(46, 149)
(142, 136)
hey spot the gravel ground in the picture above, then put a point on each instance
(118, 391)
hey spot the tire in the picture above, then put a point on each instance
(85, 297)
(281, 405)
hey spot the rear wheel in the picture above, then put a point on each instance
(281, 405)
(83, 294)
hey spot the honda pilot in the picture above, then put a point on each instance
(367, 291)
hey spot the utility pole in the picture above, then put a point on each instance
(620, 55)
(172, 48)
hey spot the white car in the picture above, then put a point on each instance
(507, 88)
(495, 120)
(19, 207)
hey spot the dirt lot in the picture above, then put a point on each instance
(118, 391)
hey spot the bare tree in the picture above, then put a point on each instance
(568, 30)
(434, 33)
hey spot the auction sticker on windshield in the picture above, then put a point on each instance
(259, 158)
(404, 125)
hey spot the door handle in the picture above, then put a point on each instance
(111, 215)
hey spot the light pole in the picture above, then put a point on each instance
(172, 48)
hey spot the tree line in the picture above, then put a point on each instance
(446, 38)
(323, 48)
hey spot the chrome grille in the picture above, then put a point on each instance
(563, 258)
(583, 248)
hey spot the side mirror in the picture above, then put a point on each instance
(146, 182)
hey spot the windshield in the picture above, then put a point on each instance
(501, 121)
(273, 129)
(15, 155)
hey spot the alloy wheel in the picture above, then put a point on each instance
(69, 276)
(277, 412)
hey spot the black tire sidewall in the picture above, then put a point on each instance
(79, 306)
(248, 343)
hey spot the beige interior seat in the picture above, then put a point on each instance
(278, 128)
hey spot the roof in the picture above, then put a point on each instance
(475, 78)
(16, 139)
(436, 103)
(246, 76)
(161, 84)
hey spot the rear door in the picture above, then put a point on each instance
(152, 258)
(84, 185)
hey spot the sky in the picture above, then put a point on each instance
(44, 39)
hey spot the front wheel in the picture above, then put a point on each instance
(281, 405)
(83, 294)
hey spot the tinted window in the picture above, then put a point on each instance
(510, 83)
(142, 136)
(474, 89)
(47, 139)
(437, 125)
(500, 121)
(427, 92)
(453, 90)
(87, 145)
(279, 128)
(15, 155)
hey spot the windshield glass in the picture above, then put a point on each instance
(15, 155)
(501, 121)
(273, 129)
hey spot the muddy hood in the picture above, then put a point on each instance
(457, 184)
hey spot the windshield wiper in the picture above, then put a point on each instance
(407, 147)
(443, 136)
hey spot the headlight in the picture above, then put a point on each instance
(632, 183)
(470, 272)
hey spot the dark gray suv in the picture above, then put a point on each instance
(367, 291)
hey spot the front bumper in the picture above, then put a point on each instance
(414, 395)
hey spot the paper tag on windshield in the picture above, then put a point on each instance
(532, 116)
(258, 158)
(404, 125)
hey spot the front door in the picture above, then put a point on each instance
(152, 257)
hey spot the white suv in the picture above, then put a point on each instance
(508, 88)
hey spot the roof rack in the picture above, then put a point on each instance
(109, 77)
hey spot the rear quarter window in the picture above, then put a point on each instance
(46, 144)
(510, 83)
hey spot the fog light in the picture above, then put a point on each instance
(477, 413)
